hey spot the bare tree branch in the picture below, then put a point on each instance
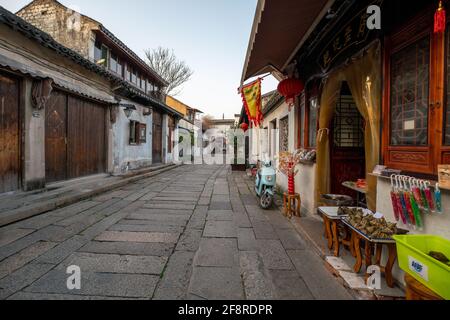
(166, 64)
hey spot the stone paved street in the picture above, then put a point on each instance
(195, 232)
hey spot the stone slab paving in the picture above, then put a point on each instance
(195, 232)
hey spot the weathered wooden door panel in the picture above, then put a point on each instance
(346, 165)
(9, 134)
(56, 137)
(157, 137)
(75, 138)
(86, 138)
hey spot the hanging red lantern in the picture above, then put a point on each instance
(440, 19)
(290, 89)
(244, 127)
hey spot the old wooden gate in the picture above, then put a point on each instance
(9, 134)
(157, 137)
(75, 144)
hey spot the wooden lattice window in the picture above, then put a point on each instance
(415, 116)
(410, 69)
(348, 128)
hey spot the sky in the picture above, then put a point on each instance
(211, 36)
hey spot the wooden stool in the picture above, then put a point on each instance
(333, 235)
(292, 205)
(416, 291)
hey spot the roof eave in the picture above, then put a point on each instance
(131, 54)
(268, 67)
(256, 21)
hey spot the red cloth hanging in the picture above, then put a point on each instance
(440, 19)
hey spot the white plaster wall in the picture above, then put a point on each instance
(305, 179)
(139, 156)
(186, 125)
(278, 114)
(305, 185)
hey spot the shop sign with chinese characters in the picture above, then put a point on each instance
(353, 34)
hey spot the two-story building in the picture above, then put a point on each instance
(141, 133)
(64, 116)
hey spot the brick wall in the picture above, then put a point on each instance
(64, 25)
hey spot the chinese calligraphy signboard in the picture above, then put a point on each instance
(353, 34)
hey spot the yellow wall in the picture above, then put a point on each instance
(177, 105)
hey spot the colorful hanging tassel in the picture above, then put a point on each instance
(395, 206)
(405, 213)
(409, 209)
(438, 198)
(426, 206)
(416, 211)
(440, 18)
(430, 197)
(417, 194)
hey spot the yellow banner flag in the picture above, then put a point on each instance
(251, 95)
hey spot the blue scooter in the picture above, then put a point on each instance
(266, 180)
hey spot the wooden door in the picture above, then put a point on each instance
(86, 153)
(157, 137)
(75, 142)
(9, 134)
(347, 152)
(56, 137)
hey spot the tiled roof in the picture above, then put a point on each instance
(275, 100)
(30, 31)
(124, 47)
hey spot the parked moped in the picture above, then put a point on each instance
(265, 184)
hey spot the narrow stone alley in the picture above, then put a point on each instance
(195, 232)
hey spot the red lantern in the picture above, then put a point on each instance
(440, 18)
(244, 127)
(290, 89)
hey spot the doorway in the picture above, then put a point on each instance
(75, 137)
(9, 134)
(157, 137)
(347, 152)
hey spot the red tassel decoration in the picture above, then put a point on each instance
(440, 19)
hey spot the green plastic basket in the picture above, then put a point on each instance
(413, 258)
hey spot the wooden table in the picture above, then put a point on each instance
(360, 193)
(373, 246)
(332, 221)
(417, 291)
